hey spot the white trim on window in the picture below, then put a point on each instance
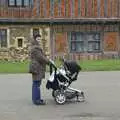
(31, 33)
(16, 42)
(40, 32)
(6, 36)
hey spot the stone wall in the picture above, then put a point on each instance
(13, 52)
(58, 45)
(19, 31)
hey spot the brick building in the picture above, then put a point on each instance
(79, 29)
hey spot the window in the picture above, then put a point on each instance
(3, 38)
(18, 2)
(93, 42)
(59, 7)
(82, 42)
(35, 31)
(79, 11)
(52, 7)
(20, 42)
(11, 2)
(105, 8)
(98, 7)
(72, 9)
(77, 42)
(21, 3)
(26, 2)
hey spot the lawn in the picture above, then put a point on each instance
(87, 65)
(100, 65)
(14, 67)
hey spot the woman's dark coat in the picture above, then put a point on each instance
(38, 62)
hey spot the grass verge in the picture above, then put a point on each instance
(87, 65)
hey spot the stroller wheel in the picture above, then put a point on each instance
(60, 98)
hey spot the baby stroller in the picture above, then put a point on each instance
(60, 81)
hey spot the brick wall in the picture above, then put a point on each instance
(110, 41)
(63, 9)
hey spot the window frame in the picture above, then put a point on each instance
(52, 8)
(94, 41)
(23, 45)
(37, 28)
(22, 3)
(6, 38)
(85, 42)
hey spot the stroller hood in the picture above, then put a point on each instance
(72, 66)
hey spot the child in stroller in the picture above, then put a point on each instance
(61, 79)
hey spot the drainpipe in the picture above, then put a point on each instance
(52, 42)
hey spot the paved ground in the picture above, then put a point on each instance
(101, 90)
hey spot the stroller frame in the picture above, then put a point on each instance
(63, 92)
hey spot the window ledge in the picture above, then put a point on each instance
(19, 7)
(86, 52)
(4, 49)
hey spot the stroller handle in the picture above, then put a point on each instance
(52, 66)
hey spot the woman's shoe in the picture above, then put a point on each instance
(40, 102)
(43, 102)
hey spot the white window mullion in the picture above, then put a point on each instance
(31, 33)
(40, 32)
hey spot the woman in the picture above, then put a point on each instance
(37, 69)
